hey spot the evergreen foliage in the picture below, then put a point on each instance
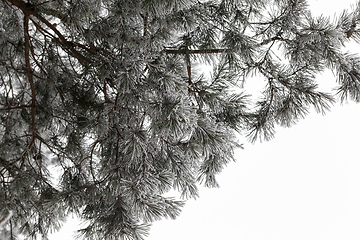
(102, 110)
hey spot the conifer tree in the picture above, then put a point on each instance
(103, 109)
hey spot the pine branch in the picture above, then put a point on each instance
(67, 44)
(28, 10)
(188, 67)
(43, 70)
(98, 75)
(29, 71)
(198, 51)
(186, 51)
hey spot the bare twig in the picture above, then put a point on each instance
(197, 51)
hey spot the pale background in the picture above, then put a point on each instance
(302, 185)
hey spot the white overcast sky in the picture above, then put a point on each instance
(304, 184)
